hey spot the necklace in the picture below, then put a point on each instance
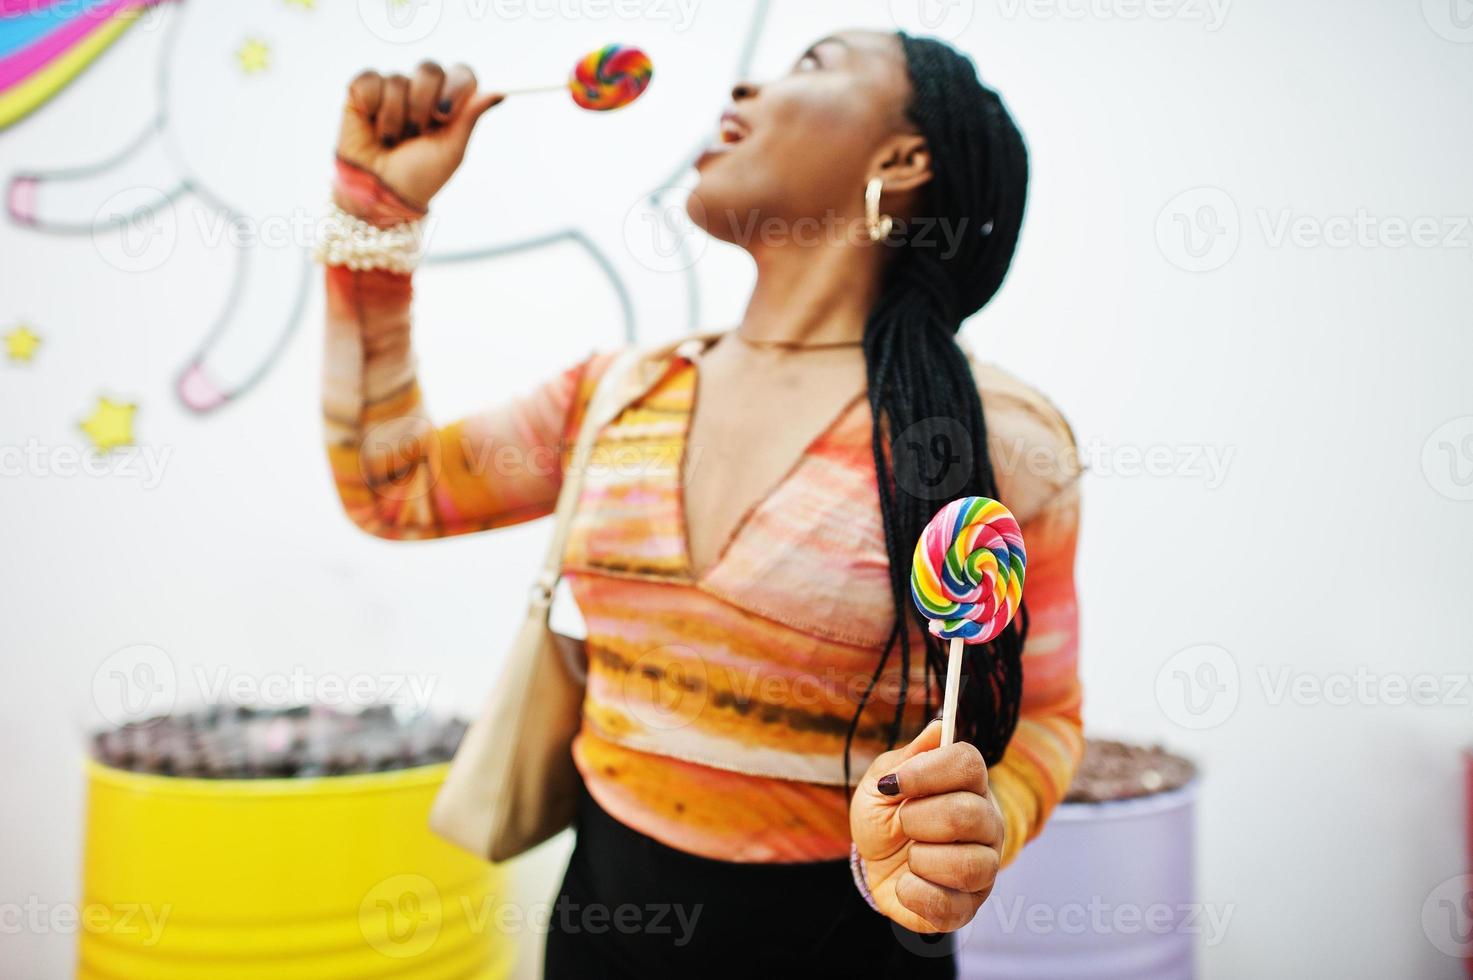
(794, 346)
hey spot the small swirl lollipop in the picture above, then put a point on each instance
(967, 580)
(609, 78)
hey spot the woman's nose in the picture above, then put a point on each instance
(744, 90)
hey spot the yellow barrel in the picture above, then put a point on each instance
(314, 878)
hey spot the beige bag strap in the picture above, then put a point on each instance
(610, 396)
(512, 783)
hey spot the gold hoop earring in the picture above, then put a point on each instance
(880, 225)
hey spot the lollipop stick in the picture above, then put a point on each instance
(953, 687)
(560, 87)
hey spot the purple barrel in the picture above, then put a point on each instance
(1105, 893)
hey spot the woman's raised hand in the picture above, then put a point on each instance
(930, 834)
(411, 132)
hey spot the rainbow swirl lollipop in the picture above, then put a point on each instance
(611, 77)
(967, 578)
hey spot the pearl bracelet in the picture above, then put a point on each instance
(347, 240)
(856, 866)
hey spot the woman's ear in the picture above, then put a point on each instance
(905, 163)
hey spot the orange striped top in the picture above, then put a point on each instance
(717, 705)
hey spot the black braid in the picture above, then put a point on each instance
(919, 378)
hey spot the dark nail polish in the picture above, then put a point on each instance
(444, 105)
(411, 130)
(889, 785)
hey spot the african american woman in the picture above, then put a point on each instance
(804, 822)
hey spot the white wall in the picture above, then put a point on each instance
(1316, 374)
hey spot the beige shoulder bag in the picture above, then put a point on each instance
(512, 783)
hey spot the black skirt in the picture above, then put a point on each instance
(633, 907)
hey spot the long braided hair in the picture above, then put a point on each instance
(922, 392)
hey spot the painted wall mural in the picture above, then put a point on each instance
(248, 93)
(44, 44)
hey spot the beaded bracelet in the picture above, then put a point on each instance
(347, 240)
(856, 867)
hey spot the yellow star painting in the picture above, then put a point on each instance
(254, 56)
(111, 424)
(21, 344)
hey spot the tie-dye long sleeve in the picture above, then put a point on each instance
(1038, 469)
(399, 476)
(1040, 761)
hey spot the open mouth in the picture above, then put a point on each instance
(731, 131)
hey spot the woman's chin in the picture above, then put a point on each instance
(710, 198)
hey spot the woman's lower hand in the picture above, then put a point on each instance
(929, 832)
(411, 131)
